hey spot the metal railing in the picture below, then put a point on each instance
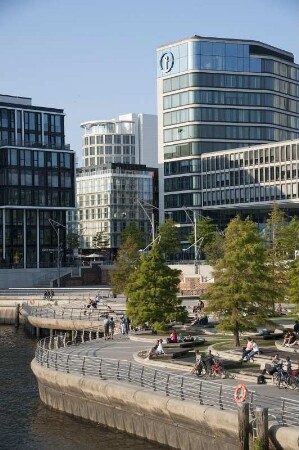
(64, 313)
(50, 354)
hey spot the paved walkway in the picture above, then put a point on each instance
(122, 348)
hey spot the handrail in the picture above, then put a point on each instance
(64, 314)
(50, 354)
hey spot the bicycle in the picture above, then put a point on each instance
(284, 379)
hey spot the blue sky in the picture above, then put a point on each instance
(96, 59)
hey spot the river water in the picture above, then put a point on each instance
(25, 423)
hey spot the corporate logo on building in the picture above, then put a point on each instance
(166, 62)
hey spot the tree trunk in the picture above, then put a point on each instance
(236, 335)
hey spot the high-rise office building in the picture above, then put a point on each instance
(217, 94)
(118, 181)
(130, 139)
(37, 183)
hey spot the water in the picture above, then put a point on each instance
(25, 423)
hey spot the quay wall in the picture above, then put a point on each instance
(182, 425)
(7, 314)
(129, 408)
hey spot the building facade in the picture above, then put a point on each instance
(112, 196)
(119, 174)
(131, 139)
(213, 95)
(37, 183)
(248, 180)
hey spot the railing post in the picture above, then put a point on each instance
(200, 393)
(283, 413)
(100, 368)
(154, 380)
(167, 386)
(251, 405)
(141, 376)
(56, 368)
(48, 359)
(67, 364)
(83, 366)
(182, 389)
(54, 314)
(117, 370)
(80, 316)
(129, 372)
(220, 397)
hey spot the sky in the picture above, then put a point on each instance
(96, 59)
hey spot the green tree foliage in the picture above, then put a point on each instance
(214, 249)
(100, 240)
(73, 240)
(133, 231)
(128, 259)
(293, 282)
(281, 240)
(152, 292)
(169, 238)
(206, 236)
(241, 294)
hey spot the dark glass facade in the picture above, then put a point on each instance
(37, 183)
(214, 95)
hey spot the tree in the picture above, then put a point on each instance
(133, 231)
(152, 292)
(100, 240)
(293, 279)
(73, 240)
(169, 238)
(214, 249)
(242, 292)
(128, 258)
(281, 240)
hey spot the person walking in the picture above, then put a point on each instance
(106, 327)
(111, 327)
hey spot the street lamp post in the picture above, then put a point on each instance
(197, 241)
(152, 218)
(56, 227)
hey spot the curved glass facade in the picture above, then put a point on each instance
(219, 94)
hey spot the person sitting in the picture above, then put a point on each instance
(160, 350)
(173, 338)
(246, 350)
(201, 306)
(153, 350)
(292, 340)
(198, 360)
(296, 326)
(276, 362)
(287, 365)
(188, 338)
(255, 351)
(208, 361)
(286, 339)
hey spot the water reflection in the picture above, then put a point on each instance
(27, 424)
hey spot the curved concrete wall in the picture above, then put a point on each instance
(183, 425)
(62, 324)
(179, 424)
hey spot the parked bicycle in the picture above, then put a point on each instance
(284, 379)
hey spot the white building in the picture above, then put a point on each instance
(130, 139)
(119, 170)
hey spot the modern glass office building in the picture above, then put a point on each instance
(112, 196)
(37, 183)
(217, 94)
